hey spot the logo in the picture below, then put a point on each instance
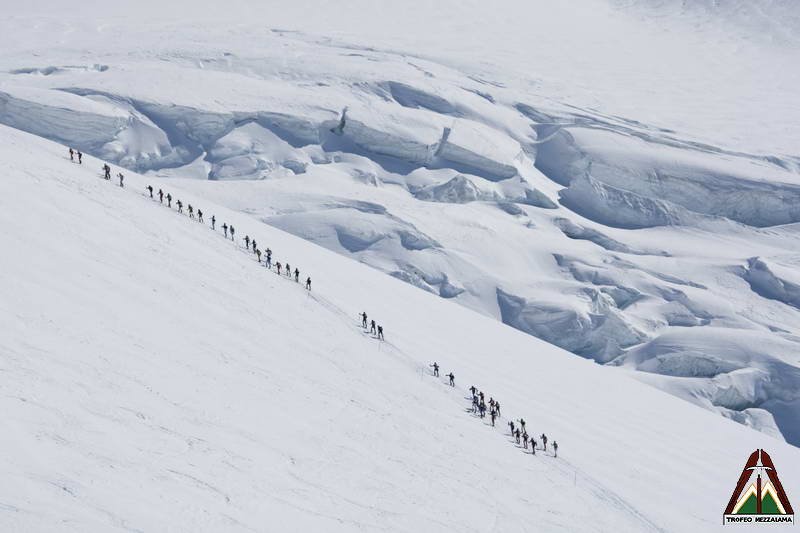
(759, 495)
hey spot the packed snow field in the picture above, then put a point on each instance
(619, 179)
(156, 377)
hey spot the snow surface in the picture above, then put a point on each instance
(155, 377)
(619, 178)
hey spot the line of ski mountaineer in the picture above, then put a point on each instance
(479, 407)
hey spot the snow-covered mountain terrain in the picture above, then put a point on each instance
(156, 377)
(618, 178)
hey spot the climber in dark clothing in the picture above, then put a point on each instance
(199, 216)
(296, 275)
(150, 190)
(160, 196)
(106, 171)
(288, 270)
(71, 154)
(364, 320)
(247, 241)
(232, 232)
(516, 435)
(225, 229)
(511, 425)
(191, 211)
(213, 222)
(372, 326)
(169, 199)
(258, 254)
(254, 246)
(544, 442)
(121, 178)
(482, 408)
(278, 264)
(180, 206)
(473, 390)
(481, 395)
(493, 414)
(380, 332)
(525, 440)
(269, 258)
(497, 407)
(452, 378)
(533, 446)
(555, 449)
(80, 157)
(435, 365)
(522, 423)
(308, 283)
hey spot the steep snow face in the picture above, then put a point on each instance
(157, 377)
(476, 161)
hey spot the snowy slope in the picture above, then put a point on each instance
(617, 177)
(155, 377)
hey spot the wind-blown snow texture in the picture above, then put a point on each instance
(627, 188)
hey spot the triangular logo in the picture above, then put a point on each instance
(759, 495)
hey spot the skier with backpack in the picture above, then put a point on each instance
(199, 216)
(213, 222)
(160, 196)
(380, 333)
(555, 449)
(121, 178)
(232, 231)
(450, 375)
(71, 154)
(308, 283)
(169, 199)
(544, 441)
(225, 229)
(180, 206)
(258, 254)
(247, 241)
(80, 158)
(296, 275)
(364, 320)
(372, 326)
(106, 171)
(191, 212)
(150, 190)
(435, 365)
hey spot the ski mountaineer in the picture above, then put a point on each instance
(106, 171)
(160, 196)
(525, 440)
(254, 246)
(481, 395)
(191, 211)
(380, 333)
(533, 446)
(435, 365)
(522, 423)
(493, 414)
(296, 276)
(511, 425)
(278, 264)
(473, 390)
(80, 158)
(288, 270)
(258, 254)
(544, 441)
(474, 404)
(213, 222)
(199, 216)
(121, 177)
(247, 241)
(225, 229)
(372, 327)
(71, 154)
(452, 378)
(364, 320)
(308, 283)
(180, 206)
(232, 231)
(150, 190)
(169, 199)
(269, 259)
(555, 449)
(497, 407)
(516, 435)
(482, 407)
